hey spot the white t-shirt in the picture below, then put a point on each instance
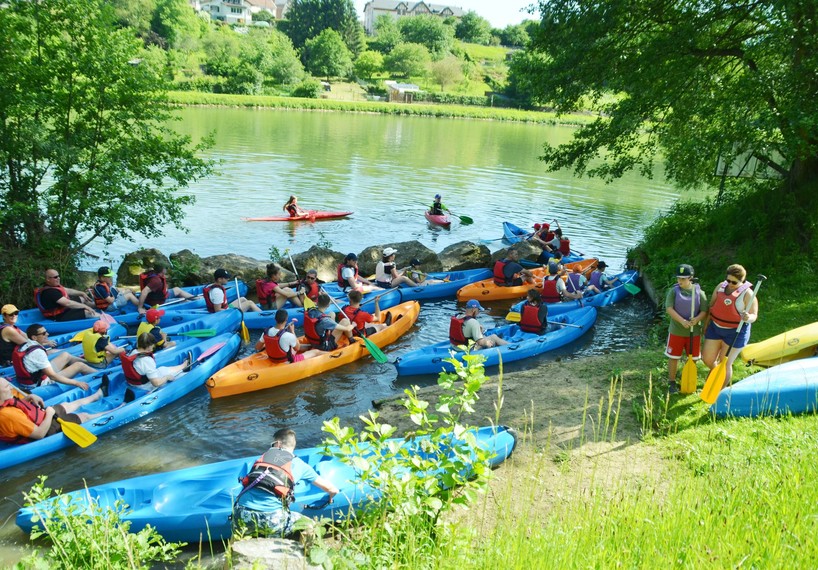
(216, 296)
(36, 359)
(472, 330)
(561, 288)
(383, 272)
(347, 273)
(287, 340)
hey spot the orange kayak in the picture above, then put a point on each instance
(257, 372)
(488, 290)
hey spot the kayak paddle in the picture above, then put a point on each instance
(690, 375)
(197, 333)
(632, 289)
(203, 356)
(77, 433)
(465, 220)
(715, 380)
(243, 332)
(373, 349)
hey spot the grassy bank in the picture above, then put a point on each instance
(443, 111)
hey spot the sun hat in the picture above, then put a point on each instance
(388, 251)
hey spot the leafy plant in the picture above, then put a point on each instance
(90, 537)
(323, 241)
(275, 254)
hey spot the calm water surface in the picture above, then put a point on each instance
(385, 169)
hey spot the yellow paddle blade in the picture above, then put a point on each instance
(513, 316)
(244, 333)
(715, 380)
(79, 336)
(690, 377)
(308, 303)
(77, 433)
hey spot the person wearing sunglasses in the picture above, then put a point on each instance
(55, 303)
(10, 334)
(33, 368)
(728, 308)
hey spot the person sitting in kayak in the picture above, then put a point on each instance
(509, 273)
(438, 208)
(154, 286)
(55, 303)
(321, 329)
(106, 296)
(387, 274)
(292, 208)
(281, 343)
(365, 323)
(282, 291)
(32, 367)
(10, 334)
(553, 287)
(262, 506)
(467, 328)
(97, 348)
(418, 276)
(533, 313)
(215, 295)
(24, 417)
(141, 372)
(151, 326)
(348, 277)
(600, 280)
(577, 284)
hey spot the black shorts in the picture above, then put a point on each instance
(70, 315)
(59, 412)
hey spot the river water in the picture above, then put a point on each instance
(385, 169)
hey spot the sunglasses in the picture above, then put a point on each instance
(733, 282)
(53, 277)
(310, 278)
(42, 333)
(14, 314)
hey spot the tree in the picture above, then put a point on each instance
(447, 71)
(264, 16)
(429, 31)
(408, 60)
(473, 28)
(514, 35)
(368, 64)
(327, 55)
(693, 81)
(307, 18)
(176, 21)
(387, 34)
(86, 148)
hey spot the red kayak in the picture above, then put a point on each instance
(310, 216)
(439, 220)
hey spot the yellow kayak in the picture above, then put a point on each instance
(787, 346)
(258, 372)
(488, 290)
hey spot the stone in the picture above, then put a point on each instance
(187, 268)
(407, 250)
(139, 262)
(527, 251)
(464, 255)
(269, 553)
(325, 261)
(245, 268)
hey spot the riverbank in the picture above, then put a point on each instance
(197, 98)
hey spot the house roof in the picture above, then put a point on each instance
(393, 4)
(401, 86)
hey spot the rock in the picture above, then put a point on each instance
(464, 255)
(324, 261)
(269, 553)
(527, 251)
(187, 268)
(407, 250)
(139, 262)
(245, 268)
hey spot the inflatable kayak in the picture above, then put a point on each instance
(515, 234)
(603, 299)
(225, 348)
(195, 504)
(258, 372)
(791, 345)
(309, 216)
(438, 220)
(450, 283)
(129, 316)
(566, 328)
(789, 388)
(488, 290)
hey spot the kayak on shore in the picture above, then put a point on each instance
(309, 216)
(793, 344)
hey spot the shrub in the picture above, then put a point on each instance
(308, 89)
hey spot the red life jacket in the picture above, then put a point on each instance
(133, 377)
(550, 293)
(153, 297)
(7, 347)
(723, 311)
(50, 313)
(24, 377)
(343, 283)
(456, 336)
(565, 246)
(33, 412)
(265, 292)
(549, 236)
(292, 209)
(100, 302)
(273, 473)
(352, 314)
(499, 276)
(272, 344)
(530, 319)
(312, 288)
(211, 308)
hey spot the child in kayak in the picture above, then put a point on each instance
(292, 208)
(438, 208)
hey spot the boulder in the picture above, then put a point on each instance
(139, 262)
(464, 255)
(245, 268)
(324, 261)
(407, 250)
(269, 553)
(527, 251)
(186, 269)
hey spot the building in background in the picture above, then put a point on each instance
(229, 11)
(398, 9)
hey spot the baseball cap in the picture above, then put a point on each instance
(474, 304)
(105, 271)
(684, 270)
(351, 257)
(100, 327)
(9, 309)
(415, 262)
(437, 196)
(154, 314)
(601, 265)
(387, 251)
(553, 268)
(537, 226)
(221, 274)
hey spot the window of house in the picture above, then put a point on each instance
(236, 10)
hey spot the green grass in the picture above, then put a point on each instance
(488, 54)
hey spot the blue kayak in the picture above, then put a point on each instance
(195, 504)
(566, 328)
(452, 281)
(266, 319)
(789, 388)
(128, 316)
(515, 234)
(603, 299)
(228, 345)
